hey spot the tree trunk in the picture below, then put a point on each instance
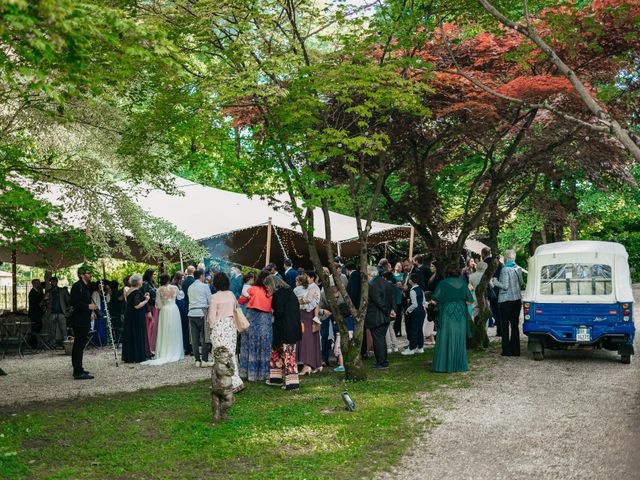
(480, 339)
(536, 241)
(494, 231)
(14, 281)
(350, 349)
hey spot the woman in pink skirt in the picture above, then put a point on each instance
(308, 294)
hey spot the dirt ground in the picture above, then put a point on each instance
(575, 415)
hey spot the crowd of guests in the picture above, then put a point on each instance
(50, 310)
(292, 331)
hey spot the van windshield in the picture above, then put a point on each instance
(576, 279)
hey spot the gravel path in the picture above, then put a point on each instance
(47, 376)
(575, 415)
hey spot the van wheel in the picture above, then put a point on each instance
(625, 359)
(538, 356)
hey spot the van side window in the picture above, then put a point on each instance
(576, 279)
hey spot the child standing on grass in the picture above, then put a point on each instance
(416, 314)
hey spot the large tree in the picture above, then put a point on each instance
(283, 99)
(63, 68)
(504, 118)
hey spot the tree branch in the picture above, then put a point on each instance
(614, 127)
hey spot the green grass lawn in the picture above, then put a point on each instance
(271, 433)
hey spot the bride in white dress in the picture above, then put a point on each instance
(169, 347)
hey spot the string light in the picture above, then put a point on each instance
(264, 250)
(291, 239)
(275, 230)
(287, 239)
(258, 230)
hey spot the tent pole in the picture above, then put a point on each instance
(181, 262)
(339, 254)
(411, 237)
(386, 244)
(14, 280)
(104, 269)
(269, 227)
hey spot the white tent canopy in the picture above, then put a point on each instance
(205, 212)
(233, 226)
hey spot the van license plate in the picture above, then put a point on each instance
(583, 335)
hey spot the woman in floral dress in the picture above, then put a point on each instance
(221, 324)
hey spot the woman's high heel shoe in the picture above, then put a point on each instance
(305, 371)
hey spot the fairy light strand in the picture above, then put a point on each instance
(284, 250)
(264, 250)
(257, 231)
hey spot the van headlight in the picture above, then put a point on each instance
(528, 317)
(626, 318)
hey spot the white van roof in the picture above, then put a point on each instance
(582, 246)
(578, 251)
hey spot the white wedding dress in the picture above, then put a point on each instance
(169, 347)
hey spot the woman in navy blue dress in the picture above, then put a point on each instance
(135, 327)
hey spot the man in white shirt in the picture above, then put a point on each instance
(199, 296)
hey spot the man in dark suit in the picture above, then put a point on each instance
(186, 283)
(290, 273)
(354, 284)
(424, 271)
(377, 317)
(81, 320)
(390, 294)
(492, 293)
(273, 270)
(36, 295)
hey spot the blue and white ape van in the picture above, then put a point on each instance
(579, 296)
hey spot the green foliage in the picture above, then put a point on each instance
(614, 216)
(65, 69)
(118, 270)
(517, 234)
(22, 217)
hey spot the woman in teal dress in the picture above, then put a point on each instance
(452, 297)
